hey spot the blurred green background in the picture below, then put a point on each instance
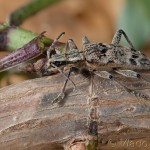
(96, 19)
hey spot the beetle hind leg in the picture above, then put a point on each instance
(117, 38)
(131, 74)
(107, 75)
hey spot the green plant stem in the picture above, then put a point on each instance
(13, 38)
(18, 16)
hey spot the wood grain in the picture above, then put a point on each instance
(99, 108)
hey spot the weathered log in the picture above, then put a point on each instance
(99, 108)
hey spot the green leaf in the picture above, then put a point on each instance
(135, 21)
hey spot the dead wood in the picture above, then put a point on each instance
(99, 108)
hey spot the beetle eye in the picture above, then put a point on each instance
(59, 63)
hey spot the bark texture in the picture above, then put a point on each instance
(99, 108)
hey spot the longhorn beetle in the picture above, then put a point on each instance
(99, 59)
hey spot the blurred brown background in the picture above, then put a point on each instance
(94, 18)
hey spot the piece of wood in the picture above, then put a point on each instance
(99, 108)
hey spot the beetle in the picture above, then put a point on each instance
(99, 59)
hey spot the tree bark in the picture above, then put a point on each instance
(99, 109)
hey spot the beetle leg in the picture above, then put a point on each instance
(62, 93)
(52, 47)
(117, 37)
(63, 73)
(131, 74)
(103, 74)
(107, 75)
(128, 73)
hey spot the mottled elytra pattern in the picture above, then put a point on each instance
(100, 59)
(110, 55)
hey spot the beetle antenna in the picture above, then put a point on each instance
(51, 48)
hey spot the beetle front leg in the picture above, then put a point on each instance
(61, 96)
(51, 49)
(117, 37)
